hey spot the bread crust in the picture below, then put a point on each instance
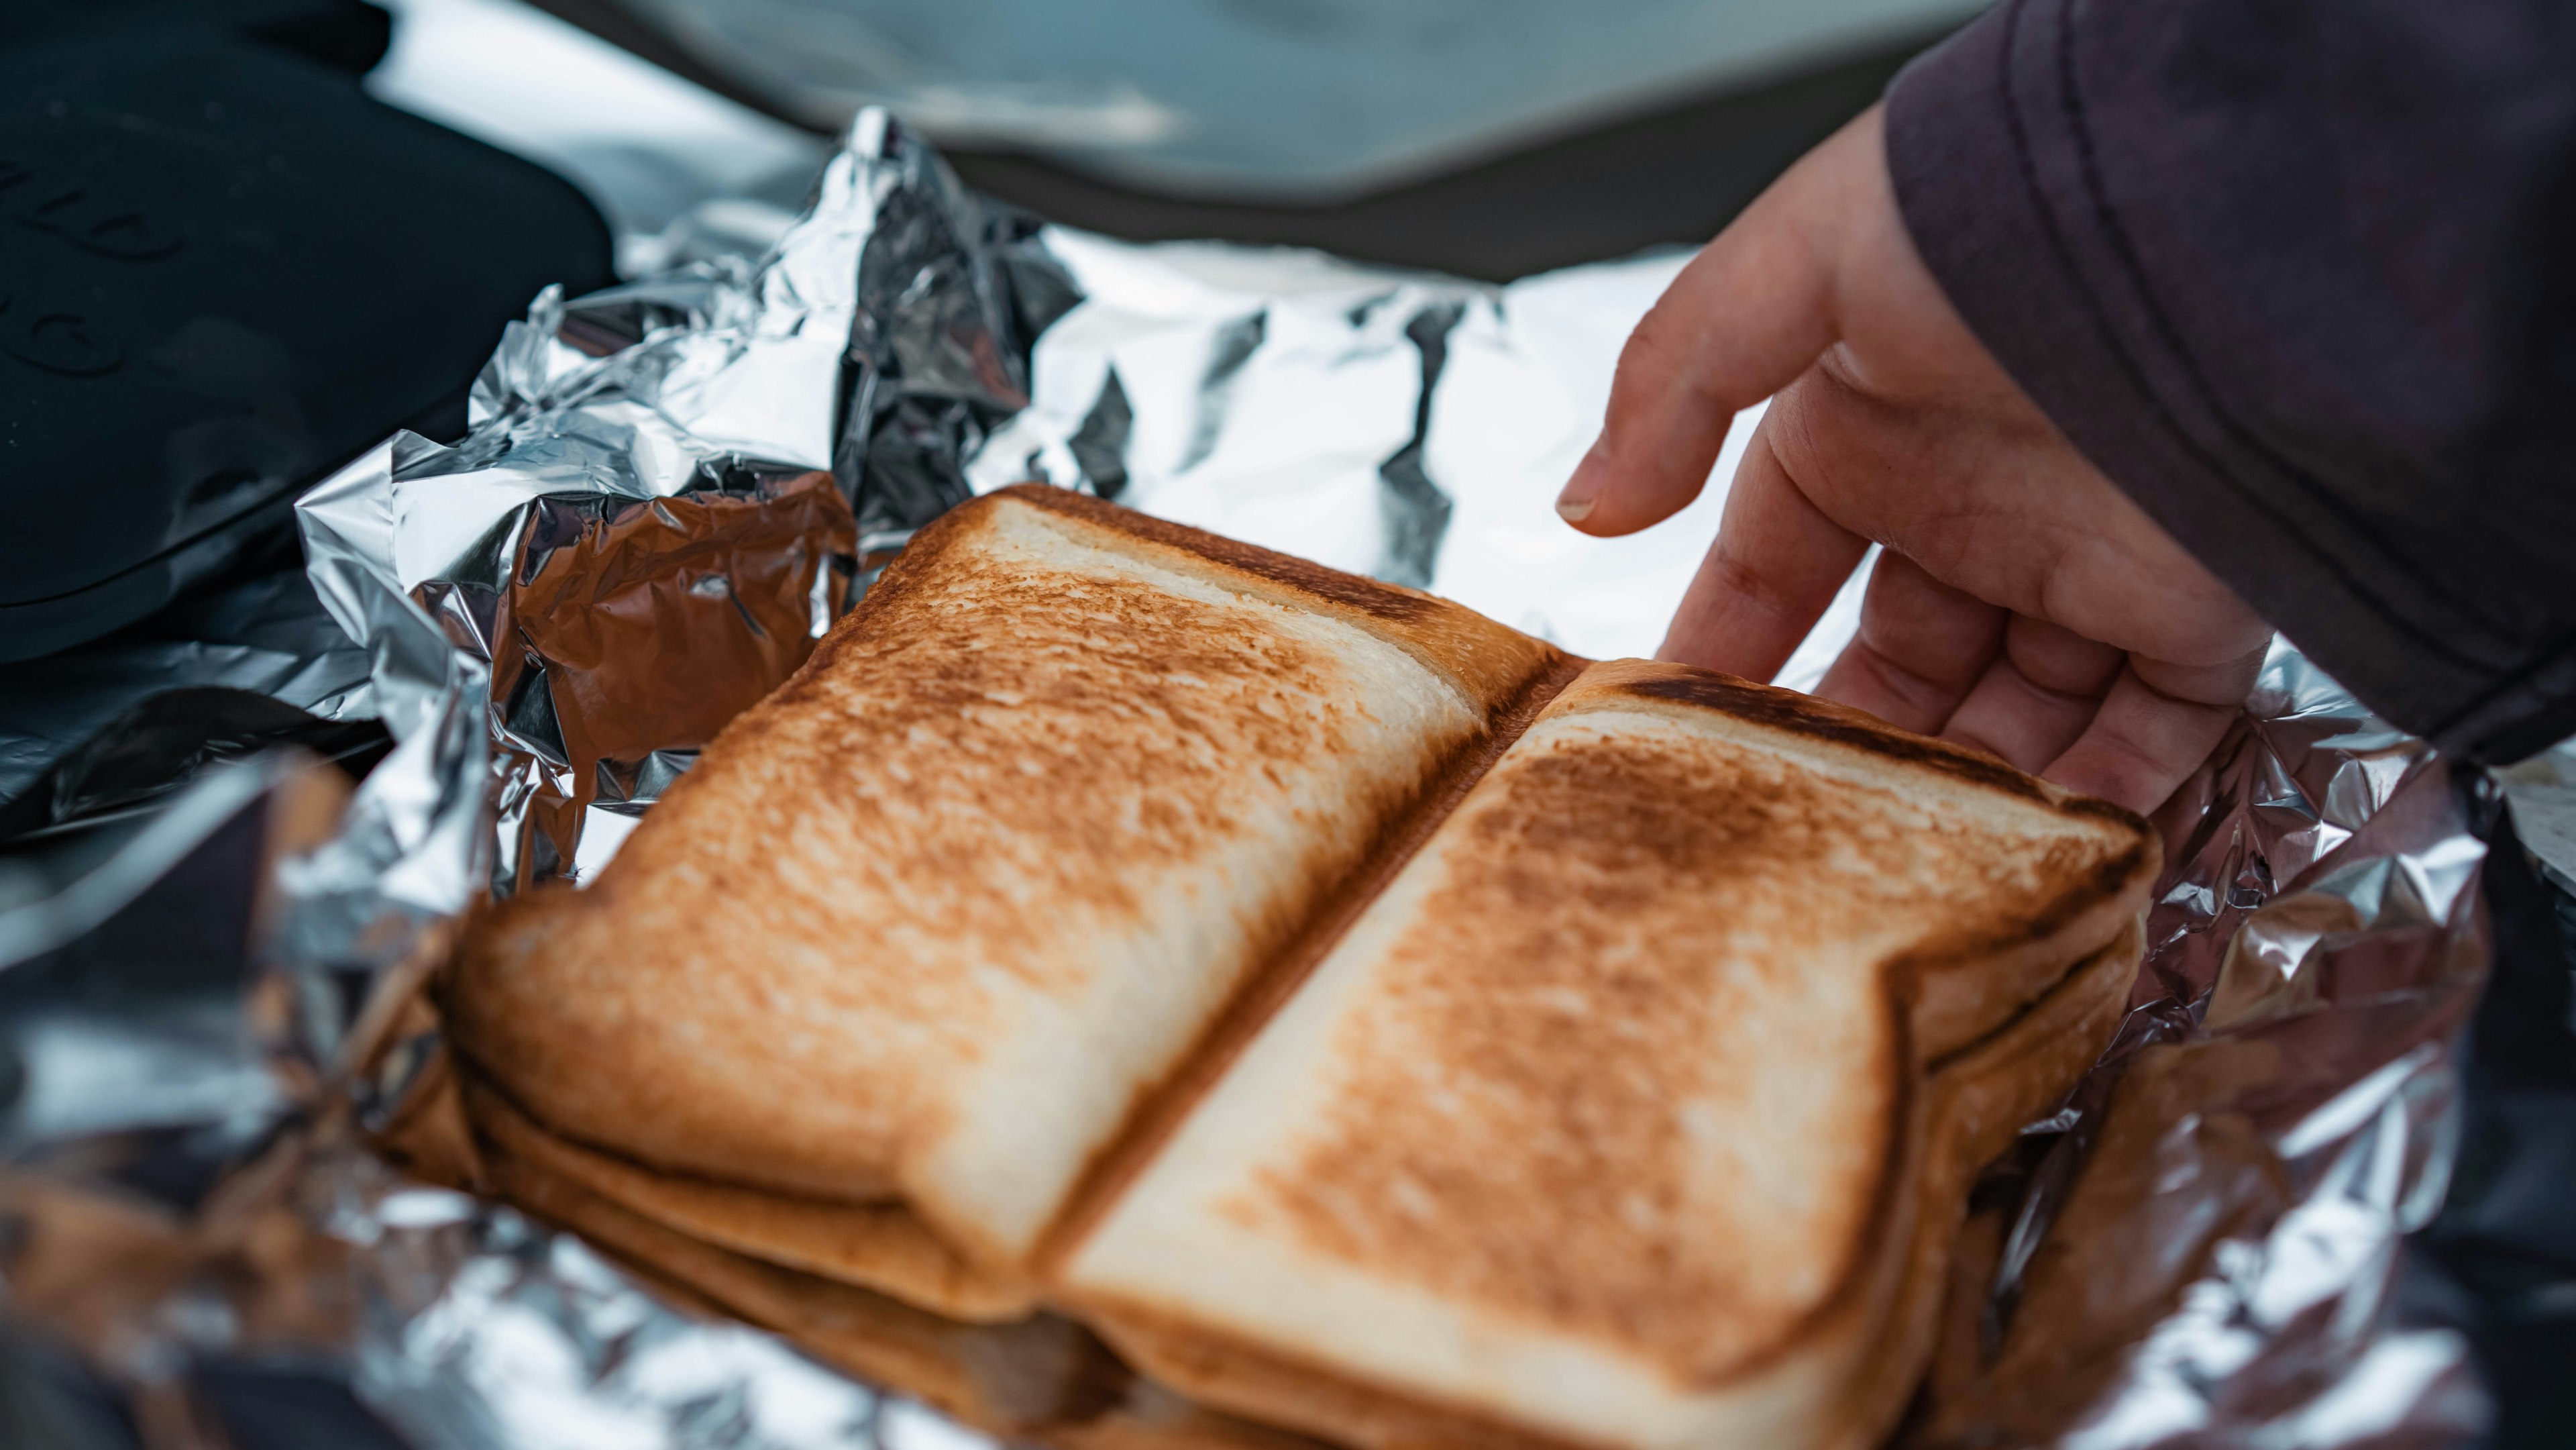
(1979, 1099)
(1486, 660)
(880, 1246)
(1003, 1379)
(1041, 1381)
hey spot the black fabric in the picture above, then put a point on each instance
(2299, 275)
(2502, 1255)
(224, 271)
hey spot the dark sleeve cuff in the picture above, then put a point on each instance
(1999, 170)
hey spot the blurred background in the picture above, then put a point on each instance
(1489, 138)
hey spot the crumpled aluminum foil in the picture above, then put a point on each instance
(2199, 1250)
(2204, 1249)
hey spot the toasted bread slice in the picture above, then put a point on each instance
(1618, 1117)
(1974, 1109)
(926, 924)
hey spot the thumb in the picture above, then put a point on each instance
(1750, 313)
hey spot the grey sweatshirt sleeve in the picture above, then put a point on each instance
(2300, 276)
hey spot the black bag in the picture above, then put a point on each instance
(224, 271)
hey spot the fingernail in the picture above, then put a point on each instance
(1574, 503)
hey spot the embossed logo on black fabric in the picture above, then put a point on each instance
(60, 334)
(83, 214)
(70, 343)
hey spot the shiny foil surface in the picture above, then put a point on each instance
(671, 489)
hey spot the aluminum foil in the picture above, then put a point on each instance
(671, 488)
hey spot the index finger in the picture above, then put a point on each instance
(1745, 318)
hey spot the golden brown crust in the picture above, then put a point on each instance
(1272, 1388)
(1975, 1106)
(1801, 714)
(879, 1246)
(1826, 720)
(1391, 602)
(999, 1378)
(1149, 1417)
(428, 1134)
(1039, 1381)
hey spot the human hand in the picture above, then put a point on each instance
(2023, 605)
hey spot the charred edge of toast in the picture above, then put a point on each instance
(1351, 591)
(472, 1077)
(2129, 936)
(1449, 1424)
(1160, 1109)
(1911, 1082)
(2101, 883)
(1788, 710)
(1098, 1383)
(920, 559)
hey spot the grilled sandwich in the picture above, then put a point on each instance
(1370, 1022)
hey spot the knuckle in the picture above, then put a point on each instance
(1739, 578)
(1658, 344)
(1918, 690)
(1797, 433)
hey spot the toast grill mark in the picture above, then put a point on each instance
(2089, 878)
(1535, 1116)
(1783, 710)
